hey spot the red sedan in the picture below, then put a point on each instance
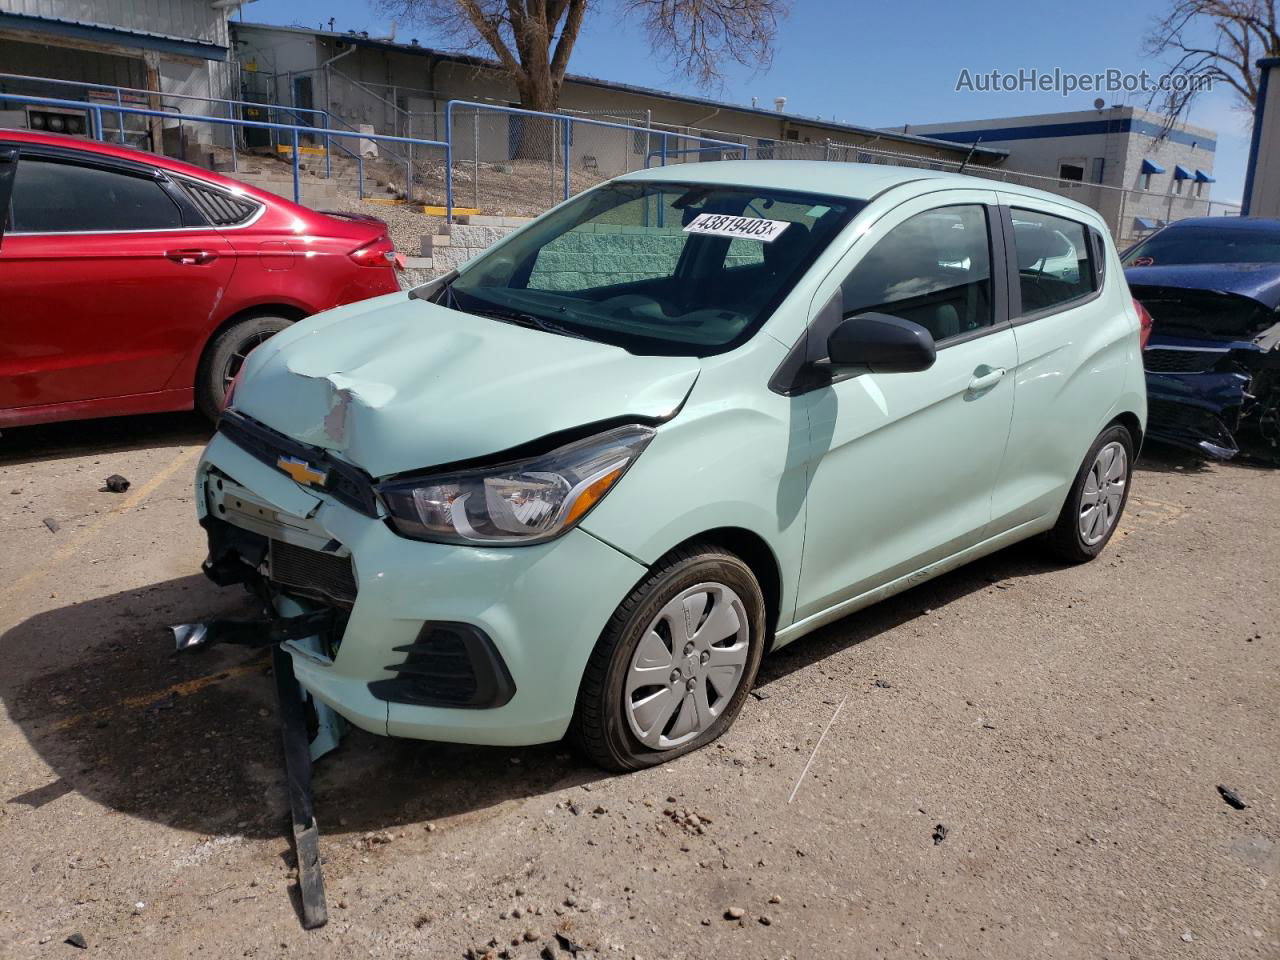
(132, 283)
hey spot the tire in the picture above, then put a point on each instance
(1068, 540)
(706, 587)
(224, 355)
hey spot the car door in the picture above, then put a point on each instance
(1075, 344)
(903, 465)
(109, 276)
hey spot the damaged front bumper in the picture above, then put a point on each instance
(423, 640)
(1220, 400)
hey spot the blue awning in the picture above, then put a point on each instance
(1180, 172)
(1149, 166)
(1202, 177)
(1144, 223)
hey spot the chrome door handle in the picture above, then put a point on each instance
(987, 380)
(191, 258)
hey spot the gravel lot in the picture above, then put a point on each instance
(1068, 727)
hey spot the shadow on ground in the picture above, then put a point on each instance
(80, 438)
(193, 741)
(1000, 570)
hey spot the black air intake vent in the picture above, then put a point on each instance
(449, 665)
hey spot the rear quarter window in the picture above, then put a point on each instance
(1057, 260)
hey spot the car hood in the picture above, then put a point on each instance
(1220, 301)
(396, 384)
(1255, 281)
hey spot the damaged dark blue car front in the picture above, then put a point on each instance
(1213, 359)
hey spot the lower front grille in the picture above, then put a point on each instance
(313, 572)
(1160, 360)
(448, 665)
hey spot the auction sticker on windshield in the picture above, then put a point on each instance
(749, 228)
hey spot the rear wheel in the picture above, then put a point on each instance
(674, 664)
(1097, 498)
(225, 355)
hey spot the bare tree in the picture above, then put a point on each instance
(533, 39)
(1211, 42)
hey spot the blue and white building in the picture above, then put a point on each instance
(1123, 161)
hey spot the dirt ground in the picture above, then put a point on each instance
(1068, 727)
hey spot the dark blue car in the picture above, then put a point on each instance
(1212, 286)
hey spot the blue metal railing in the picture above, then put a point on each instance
(235, 109)
(293, 131)
(333, 137)
(706, 144)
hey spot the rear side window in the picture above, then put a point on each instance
(219, 207)
(51, 196)
(933, 269)
(1055, 260)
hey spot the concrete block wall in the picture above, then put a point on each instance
(624, 253)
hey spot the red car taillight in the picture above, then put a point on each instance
(1145, 323)
(376, 253)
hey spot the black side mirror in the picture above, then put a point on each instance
(881, 343)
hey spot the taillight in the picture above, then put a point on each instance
(376, 253)
(1145, 323)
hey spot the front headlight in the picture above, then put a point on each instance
(527, 501)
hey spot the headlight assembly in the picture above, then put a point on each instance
(523, 502)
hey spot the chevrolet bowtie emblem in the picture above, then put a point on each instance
(302, 472)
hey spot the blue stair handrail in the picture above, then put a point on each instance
(294, 131)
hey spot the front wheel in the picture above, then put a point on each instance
(674, 664)
(1097, 498)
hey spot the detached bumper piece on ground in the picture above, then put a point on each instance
(299, 748)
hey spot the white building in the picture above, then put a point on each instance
(1120, 160)
(174, 46)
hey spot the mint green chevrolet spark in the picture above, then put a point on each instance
(582, 485)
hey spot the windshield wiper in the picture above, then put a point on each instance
(432, 289)
(529, 321)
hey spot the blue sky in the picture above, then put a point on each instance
(881, 64)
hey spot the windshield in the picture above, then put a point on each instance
(664, 268)
(1205, 245)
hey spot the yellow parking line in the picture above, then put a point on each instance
(183, 688)
(75, 543)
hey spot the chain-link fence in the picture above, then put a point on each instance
(518, 163)
(513, 162)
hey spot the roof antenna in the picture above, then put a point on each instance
(969, 156)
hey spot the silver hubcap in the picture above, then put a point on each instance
(687, 666)
(1103, 493)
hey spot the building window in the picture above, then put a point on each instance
(1072, 170)
(1099, 170)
